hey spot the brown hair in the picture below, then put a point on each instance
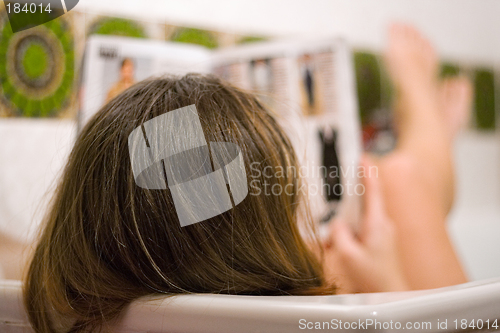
(107, 241)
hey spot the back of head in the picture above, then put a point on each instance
(107, 241)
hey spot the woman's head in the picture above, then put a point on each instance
(107, 241)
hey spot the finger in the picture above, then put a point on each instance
(326, 232)
(349, 248)
(373, 200)
(325, 235)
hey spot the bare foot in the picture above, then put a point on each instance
(455, 96)
(418, 176)
(424, 133)
(413, 67)
(411, 59)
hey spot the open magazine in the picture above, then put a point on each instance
(308, 84)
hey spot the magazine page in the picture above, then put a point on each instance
(112, 64)
(310, 86)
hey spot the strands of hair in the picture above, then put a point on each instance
(107, 242)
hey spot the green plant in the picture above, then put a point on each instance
(484, 103)
(118, 27)
(449, 69)
(196, 36)
(368, 83)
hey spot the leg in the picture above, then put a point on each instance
(418, 176)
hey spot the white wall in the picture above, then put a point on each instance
(474, 222)
(32, 153)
